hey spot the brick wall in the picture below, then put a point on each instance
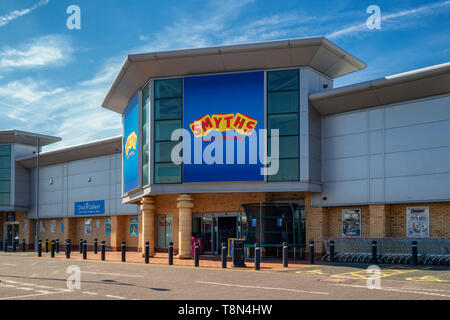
(439, 219)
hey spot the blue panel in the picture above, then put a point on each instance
(89, 207)
(130, 149)
(206, 96)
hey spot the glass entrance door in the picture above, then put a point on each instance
(12, 230)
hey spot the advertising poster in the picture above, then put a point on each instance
(134, 227)
(53, 226)
(88, 227)
(97, 223)
(351, 222)
(62, 226)
(131, 145)
(41, 226)
(107, 227)
(219, 110)
(417, 222)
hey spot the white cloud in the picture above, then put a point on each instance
(10, 16)
(26, 91)
(48, 50)
(433, 8)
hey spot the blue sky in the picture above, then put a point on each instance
(53, 80)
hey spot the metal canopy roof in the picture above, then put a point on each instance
(78, 152)
(28, 138)
(410, 85)
(316, 52)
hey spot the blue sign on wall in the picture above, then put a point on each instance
(89, 207)
(215, 107)
(130, 149)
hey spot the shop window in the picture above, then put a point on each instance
(5, 174)
(283, 114)
(165, 230)
(168, 117)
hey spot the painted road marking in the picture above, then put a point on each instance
(25, 288)
(28, 296)
(8, 264)
(114, 274)
(114, 297)
(257, 287)
(426, 279)
(396, 290)
(363, 274)
(314, 272)
(90, 293)
(44, 287)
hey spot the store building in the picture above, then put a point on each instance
(366, 160)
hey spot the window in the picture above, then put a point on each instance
(5, 174)
(165, 230)
(283, 114)
(145, 134)
(168, 100)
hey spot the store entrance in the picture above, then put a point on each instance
(214, 228)
(12, 233)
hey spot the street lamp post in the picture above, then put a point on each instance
(36, 229)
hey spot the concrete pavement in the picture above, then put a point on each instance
(25, 276)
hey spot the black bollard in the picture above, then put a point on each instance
(5, 245)
(331, 250)
(257, 256)
(14, 245)
(224, 255)
(24, 248)
(196, 255)
(147, 252)
(95, 246)
(40, 248)
(285, 255)
(374, 252)
(103, 250)
(57, 245)
(81, 245)
(46, 245)
(170, 253)
(123, 251)
(311, 252)
(65, 247)
(84, 249)
(414, 253)
(52, 251)
(69, 249)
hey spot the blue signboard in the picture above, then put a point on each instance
(217, 109)
(130, 149)
(89, 207)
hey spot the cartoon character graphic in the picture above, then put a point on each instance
(130, 144)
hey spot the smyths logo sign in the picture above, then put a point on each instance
(223, 122)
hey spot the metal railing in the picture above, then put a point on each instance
(389, 250)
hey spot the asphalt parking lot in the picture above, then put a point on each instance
(25, 276)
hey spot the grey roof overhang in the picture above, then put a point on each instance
(78, 152)
(317, 52)
(421, 83)
(27, 138)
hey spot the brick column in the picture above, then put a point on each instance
(317, 225)
(148, 223)
(70, 231)
(379, 224)
(117, 232)
(185, 205)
